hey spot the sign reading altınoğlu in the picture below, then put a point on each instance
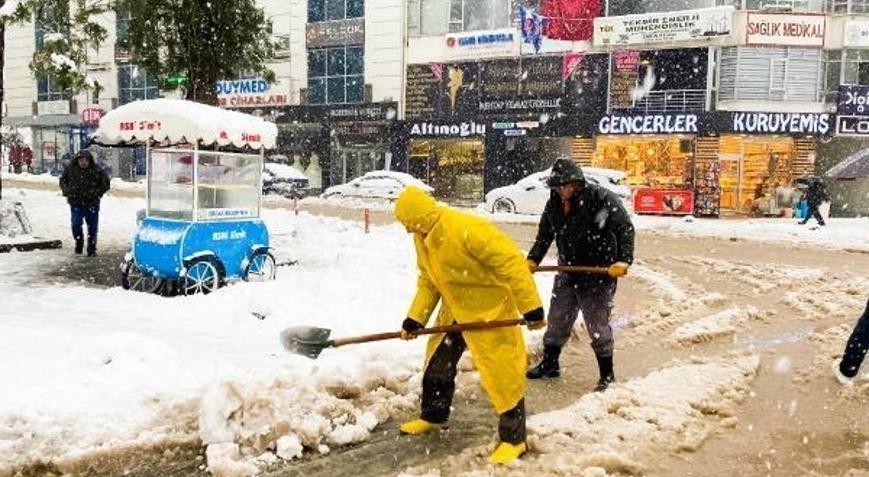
(686, 25)
(785, 29)
(649, 124)
(335, 33)
(473, 44)
(443, 129)
(248, 93)
(782, 123)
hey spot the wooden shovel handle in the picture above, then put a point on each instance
(572, 269)
(456, 328)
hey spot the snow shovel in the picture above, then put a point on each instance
(572, 269)
(310, 341)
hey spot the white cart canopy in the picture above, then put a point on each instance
(183, 121)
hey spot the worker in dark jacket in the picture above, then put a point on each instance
(590, 226)
(83, 184)
(855, 351)
(816, 194)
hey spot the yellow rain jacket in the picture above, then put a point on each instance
(477, 274)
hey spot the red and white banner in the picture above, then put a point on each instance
(663, 201)
(571, 62)
(569, 19)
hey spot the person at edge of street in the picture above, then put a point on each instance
(83, 184)
(590, 226)
(816, 194)
(855, 351)
(477, 274)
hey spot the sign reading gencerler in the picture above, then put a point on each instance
(648, 124)
(785, 29)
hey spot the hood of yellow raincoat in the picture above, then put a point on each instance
(417, 210)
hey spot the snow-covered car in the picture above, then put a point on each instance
(284, 180)
(376, 185)
(529, 195)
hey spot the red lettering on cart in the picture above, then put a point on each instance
(126, 126)
(223, 135)
(250, 137)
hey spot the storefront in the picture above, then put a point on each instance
(449, 156)
(333, 144)
(521, 107)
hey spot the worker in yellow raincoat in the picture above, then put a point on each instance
(476, 273)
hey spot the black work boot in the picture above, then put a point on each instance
(548, 367)
(605, 364)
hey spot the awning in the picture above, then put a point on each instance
(854, 166)
(178, 120)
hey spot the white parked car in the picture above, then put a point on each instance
(529, 195)
(376, 185)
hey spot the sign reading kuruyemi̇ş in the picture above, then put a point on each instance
(782, 123)
(683, 25)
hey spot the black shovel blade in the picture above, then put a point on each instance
(307, 341)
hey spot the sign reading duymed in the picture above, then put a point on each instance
(782, 123)
(248, 93)
(335, 33)
(785, 29)
(683, 25)
(649, 124)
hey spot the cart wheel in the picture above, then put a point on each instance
(132, 278)
(202, 277)
(262, 267)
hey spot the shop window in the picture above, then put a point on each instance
(134, 84)
(330, 10)
(648, 161)
(438, 17)
(863, 73)
(454, 168)
(336, 75)
(752, 168)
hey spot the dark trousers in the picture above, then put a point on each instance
(595, 300)
(89, 214)
(857, 346)
(814, 212)
(439, 385)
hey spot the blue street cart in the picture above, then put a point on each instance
(201, 227)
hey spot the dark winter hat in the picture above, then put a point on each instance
(565, 171)
(85, 155)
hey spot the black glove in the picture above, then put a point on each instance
(534, 319)
(408, 327)
(534, 315)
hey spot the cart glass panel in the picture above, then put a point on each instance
(170, 184)
(229, 186)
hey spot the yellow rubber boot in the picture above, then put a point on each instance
(506, 453)
(418, 426)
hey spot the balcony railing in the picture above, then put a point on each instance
(669, 101)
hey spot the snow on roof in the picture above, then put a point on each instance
(179, 120)
(852, 167)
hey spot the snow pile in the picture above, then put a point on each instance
(673, 409)
(63, 61)
(838, 233)
(829, 297)
(351, 202)
(13, 221)
(724, 323)
(53, 37)
(283, 171)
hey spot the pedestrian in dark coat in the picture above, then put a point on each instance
(590, 226)
(855, 351)
(816, 194)
(83, 184)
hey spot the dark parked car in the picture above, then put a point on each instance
(284, 180)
